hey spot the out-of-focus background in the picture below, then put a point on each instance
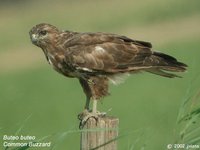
(37, 101)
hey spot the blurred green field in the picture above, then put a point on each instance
(147, 105)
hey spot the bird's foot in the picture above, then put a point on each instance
(85, 115)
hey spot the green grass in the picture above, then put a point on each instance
(147, 105)
(188, 120)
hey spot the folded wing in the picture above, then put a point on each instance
(109, 53)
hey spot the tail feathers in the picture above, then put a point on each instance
(162, 73)
(169, 63)
(162, 63)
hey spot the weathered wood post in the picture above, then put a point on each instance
(100, 134)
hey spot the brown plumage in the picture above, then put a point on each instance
(96, 58)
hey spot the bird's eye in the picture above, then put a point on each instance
(43, 32)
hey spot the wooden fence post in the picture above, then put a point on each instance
(102, 131)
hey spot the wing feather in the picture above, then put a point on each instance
(99, 38)
(113, 57)
(118, 53)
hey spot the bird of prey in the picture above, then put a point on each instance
(97, 58)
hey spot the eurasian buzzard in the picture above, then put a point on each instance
(97, 58)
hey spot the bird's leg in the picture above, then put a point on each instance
(86, 114)
(87, 104)
(95, 111)
(94, 106)
(90, 114)
(86, 109)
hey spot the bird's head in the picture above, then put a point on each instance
(43, 34)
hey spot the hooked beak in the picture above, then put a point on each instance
(34, 38)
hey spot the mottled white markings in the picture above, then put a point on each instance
(85, 69)
(50, 62)
(99, 49)
(50, 56)
(118, 78)
(59, 65)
